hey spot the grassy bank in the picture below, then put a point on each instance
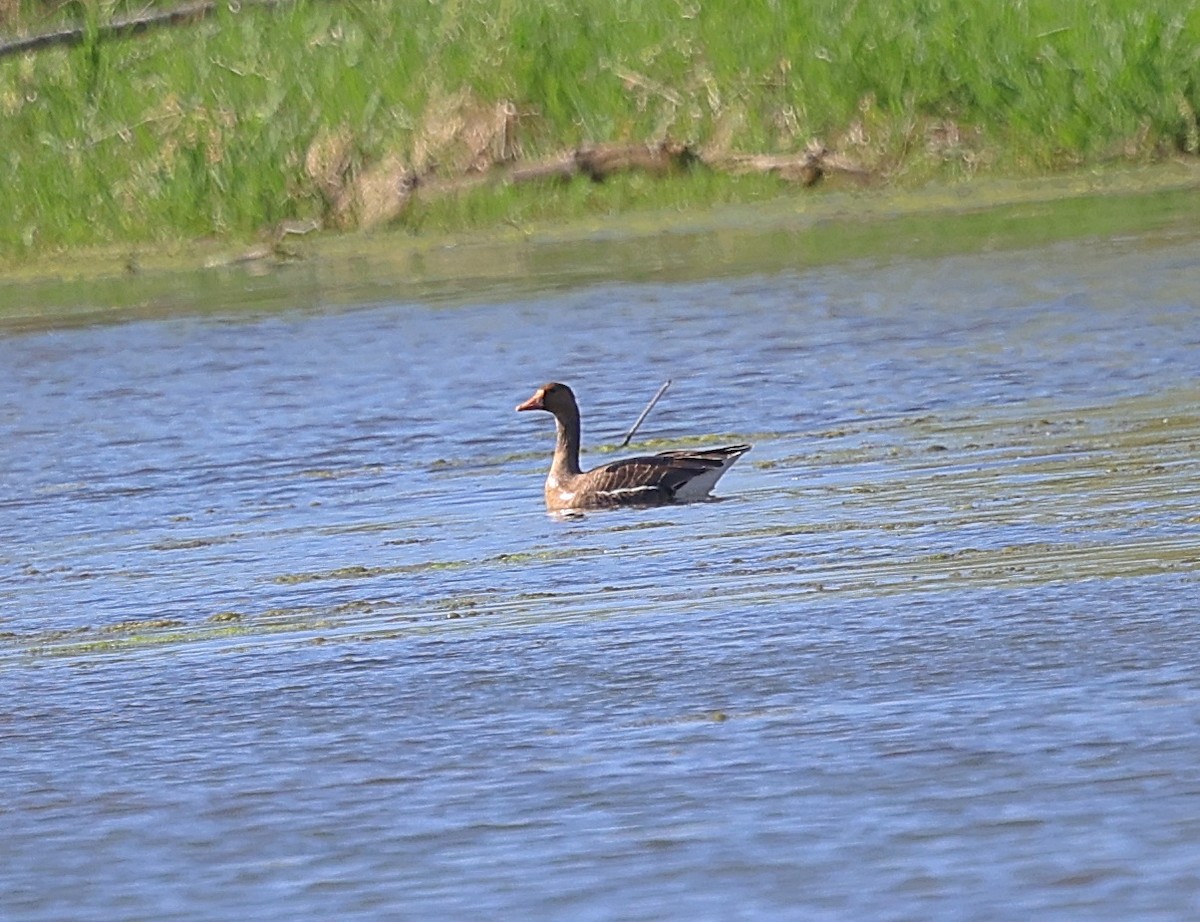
(233, 124)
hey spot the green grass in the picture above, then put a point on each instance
(205, 130)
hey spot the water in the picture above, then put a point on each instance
(286, 632)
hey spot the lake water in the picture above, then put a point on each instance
(285, 631)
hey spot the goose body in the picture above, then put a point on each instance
(647, 480)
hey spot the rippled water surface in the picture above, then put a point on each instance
(285, 631)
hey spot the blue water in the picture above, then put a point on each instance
(285, 631)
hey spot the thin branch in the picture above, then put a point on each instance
(646, 412)
(131, 25)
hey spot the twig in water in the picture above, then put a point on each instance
(646, 412)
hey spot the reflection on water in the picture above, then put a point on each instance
(286, 630)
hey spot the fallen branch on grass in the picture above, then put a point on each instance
(382, 193)
(120, 28)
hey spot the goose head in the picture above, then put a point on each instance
(553, 398)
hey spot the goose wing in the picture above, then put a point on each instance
(659, 478)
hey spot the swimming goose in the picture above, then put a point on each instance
(650, 480)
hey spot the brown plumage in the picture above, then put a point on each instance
(649, 480)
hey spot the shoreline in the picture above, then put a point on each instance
(824, 227)
(265, 119)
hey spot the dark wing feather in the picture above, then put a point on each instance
(720, 456)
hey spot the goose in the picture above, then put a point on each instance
(647, 480)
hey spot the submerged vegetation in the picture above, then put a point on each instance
(258, 116)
